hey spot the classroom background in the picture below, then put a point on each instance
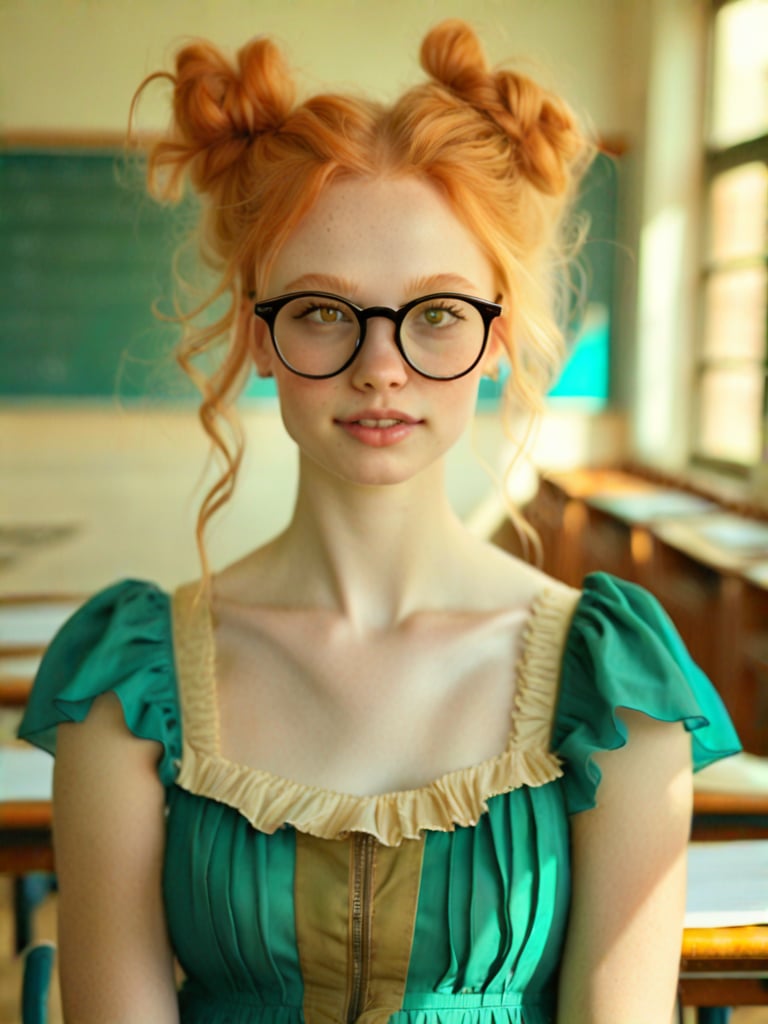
(651, 460)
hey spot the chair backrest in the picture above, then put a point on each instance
(36, 985)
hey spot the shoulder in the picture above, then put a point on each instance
(623, 655)
(497, 579)
(120, 643)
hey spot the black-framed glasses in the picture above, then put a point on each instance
(317, 334)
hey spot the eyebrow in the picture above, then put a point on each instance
(443, 282)
(345, 286)
(324, 282)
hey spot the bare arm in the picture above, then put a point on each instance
(116, 964)
(622, 952)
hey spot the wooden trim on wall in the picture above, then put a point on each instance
(48, 140)
(613, 145)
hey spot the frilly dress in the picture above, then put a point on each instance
(445, 904)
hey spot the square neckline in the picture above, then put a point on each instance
(457, 797)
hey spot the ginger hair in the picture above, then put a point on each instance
(505, 153)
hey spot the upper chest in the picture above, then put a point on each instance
(301, 696)
(303, 693)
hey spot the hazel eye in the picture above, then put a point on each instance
(441, 316)
(324, 314)
(434, 316)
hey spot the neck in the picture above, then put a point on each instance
(374, 553)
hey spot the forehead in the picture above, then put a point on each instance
(381, 238)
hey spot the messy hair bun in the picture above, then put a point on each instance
(543, 132)
(504, 153)
(221, 108)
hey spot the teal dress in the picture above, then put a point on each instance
(446, 904)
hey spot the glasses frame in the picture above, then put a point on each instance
(269, 309)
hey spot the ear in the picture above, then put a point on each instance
(495, 351)
(256, 334)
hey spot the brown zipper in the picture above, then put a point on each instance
(363, 853)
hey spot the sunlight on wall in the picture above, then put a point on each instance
(660, 281)
(661, 389)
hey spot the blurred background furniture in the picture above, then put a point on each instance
(27, 624)
(705, 560)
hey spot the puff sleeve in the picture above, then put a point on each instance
(119, 641)
(624, 652)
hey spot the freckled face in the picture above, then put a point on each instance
(376, 243)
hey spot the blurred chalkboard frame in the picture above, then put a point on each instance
(85, 256)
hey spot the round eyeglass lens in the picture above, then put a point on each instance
(443, 336)
(316, 335)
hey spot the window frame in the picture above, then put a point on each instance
(716, 161)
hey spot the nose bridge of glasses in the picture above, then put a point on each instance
(380, 349)
(395, 316)
(379, 313)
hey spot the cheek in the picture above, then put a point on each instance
(304, 404)
(455, 412)
(462, 398)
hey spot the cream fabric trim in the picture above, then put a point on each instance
(458, 798)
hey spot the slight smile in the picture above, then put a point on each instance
(379, 427)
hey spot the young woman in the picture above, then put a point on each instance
(377, 770)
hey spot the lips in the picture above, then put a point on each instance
(380, 418)
(380, 428)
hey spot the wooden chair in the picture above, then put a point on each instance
(36, 984)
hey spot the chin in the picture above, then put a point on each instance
(377, 472)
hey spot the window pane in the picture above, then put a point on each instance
(740, 92)
(735, 314)
(730, 414)
(737, 212)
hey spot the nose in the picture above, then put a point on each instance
(379, 364)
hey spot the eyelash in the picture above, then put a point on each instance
(317, 306)
(444, 306)
(453, 310)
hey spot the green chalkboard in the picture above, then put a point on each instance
(84, 255)
(82, 259)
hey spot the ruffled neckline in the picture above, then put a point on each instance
(456, 799)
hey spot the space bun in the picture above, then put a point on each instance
(544, 135)
(220, 108)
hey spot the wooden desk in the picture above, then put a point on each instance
(707, 565)
(14, 689)
(25, 837)
(559, 513)
(719, 816)
(724, 967)
(25, 848)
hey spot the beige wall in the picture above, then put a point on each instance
(73, 64)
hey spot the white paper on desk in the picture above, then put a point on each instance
(25, 774)
(31, 623)
(727, 884)
(645, 507)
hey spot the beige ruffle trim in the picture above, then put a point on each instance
(458, 798)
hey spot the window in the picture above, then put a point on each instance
(731, 427)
